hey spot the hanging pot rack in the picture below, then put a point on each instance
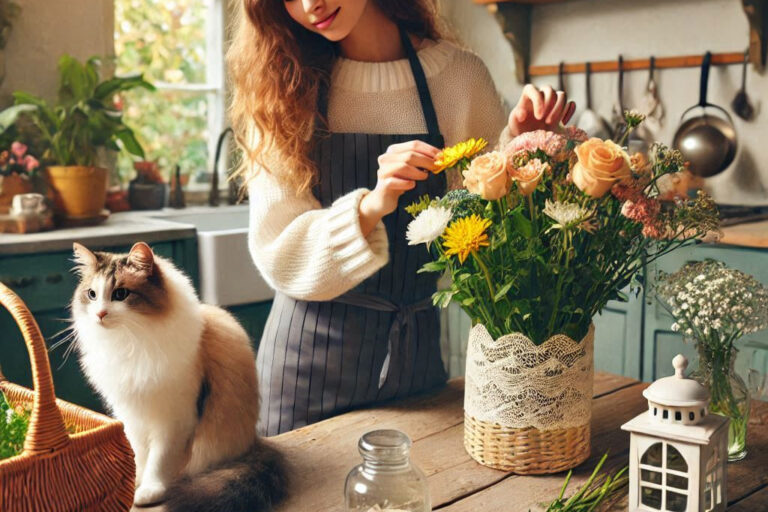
(608, 66)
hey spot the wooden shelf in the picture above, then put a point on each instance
(486, 2)
(608, 66)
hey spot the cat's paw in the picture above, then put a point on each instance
(149, 493)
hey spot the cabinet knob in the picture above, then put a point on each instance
(54, 278)
(19, 282)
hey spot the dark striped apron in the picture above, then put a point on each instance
(380, 340)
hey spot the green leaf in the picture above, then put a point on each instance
(521, 224)
(9, 116)
(105, 90)
(433, 266)
(502, 293)
(130, 143)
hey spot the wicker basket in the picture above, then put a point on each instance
(91, 469)
(525, 451)
(528, 407)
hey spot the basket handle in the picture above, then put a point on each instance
(46, 432)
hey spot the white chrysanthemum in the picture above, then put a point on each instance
(428, 225)
(565, 214)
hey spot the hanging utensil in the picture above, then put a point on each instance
(590, 121)
(561, 77)
(741, 104)
(707, 140)
(652, 107)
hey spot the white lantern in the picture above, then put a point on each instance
(677, 451)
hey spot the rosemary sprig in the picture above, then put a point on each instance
(13, 429)
(598, 490)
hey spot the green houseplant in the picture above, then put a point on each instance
(83, 119)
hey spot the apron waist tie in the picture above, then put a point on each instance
(405, 320)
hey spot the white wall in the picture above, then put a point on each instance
(581, 30)
(47, 29)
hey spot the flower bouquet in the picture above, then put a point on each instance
(17, 167)
(547, 230)
(714, 306)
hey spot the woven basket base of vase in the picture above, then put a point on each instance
(525, 451)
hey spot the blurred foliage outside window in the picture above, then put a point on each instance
(177, 45)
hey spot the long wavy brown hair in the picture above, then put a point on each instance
(276, 67)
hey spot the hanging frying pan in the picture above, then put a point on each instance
(707, 140)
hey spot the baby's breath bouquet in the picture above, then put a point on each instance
(551, 227)
(714, 306)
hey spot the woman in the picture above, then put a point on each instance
(341, 106)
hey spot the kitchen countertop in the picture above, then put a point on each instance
(119, 229)
(751, 234)
(321, 455)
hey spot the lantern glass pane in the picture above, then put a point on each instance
(676, 502)
(675, 460)
(650, 476)
(651, 497)
(679, 482)
(652, 456)
(708, 495)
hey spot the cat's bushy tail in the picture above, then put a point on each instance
(254, 482)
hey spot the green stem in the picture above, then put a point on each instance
(486, 273)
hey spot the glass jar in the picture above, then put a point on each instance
(729, 394)
(386, 480)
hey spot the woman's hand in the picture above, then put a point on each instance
(399, 169)
(542, 109)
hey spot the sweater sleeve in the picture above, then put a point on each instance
(306, 251)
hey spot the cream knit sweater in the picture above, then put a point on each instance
(314, 253)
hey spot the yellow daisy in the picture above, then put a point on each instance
(449, 157)
(465, 236)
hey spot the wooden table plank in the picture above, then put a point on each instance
(755, 502)
(322, 454)
(747, 475)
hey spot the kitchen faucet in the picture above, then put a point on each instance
(213, 196)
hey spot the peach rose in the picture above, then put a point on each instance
(529, 175)
(487, 176)
(599, 165)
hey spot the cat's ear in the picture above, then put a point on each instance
(83, 256)
(141, 257)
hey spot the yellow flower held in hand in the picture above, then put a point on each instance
(465, 236)
(449, 157)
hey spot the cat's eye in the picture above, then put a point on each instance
(120, 294)
(91, 294)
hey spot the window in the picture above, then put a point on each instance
(663, 478)
(178, 45)
(713, 492)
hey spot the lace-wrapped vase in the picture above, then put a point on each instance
(527, 407)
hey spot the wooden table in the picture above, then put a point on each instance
(322, 454)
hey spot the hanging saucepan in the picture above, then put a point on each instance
(589, 120)
(707, 140)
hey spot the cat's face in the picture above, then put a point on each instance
(117, 290)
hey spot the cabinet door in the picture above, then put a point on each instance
(618, 337)
(661, 344)
(252, 317)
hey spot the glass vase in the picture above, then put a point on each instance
(386, 481)
(729, 394)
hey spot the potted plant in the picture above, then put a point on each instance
(16, 168)
(83, 119)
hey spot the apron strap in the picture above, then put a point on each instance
(430, 116)
(425, 98)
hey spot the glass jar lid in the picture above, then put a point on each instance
(385, 445)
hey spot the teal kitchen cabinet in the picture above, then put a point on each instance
(253, 318)
(46, 283)
(619, 336)
(661, 344)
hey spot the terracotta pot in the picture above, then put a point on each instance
(11, 186)
(79, 191)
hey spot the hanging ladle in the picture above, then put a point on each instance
(707, 141)
(740, 103)
(589, 120)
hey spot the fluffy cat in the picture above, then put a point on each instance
(181, 377)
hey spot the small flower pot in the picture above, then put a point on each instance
(147, 196)
(10, 186)
(78, 191)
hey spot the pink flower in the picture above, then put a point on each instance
(31, 163)
(656, 230)
(18, 149)
(624, 192)
(551, 143)
(642, 209)
(575, 134)
(528, 176)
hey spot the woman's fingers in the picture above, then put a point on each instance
(417, 146)
(558, 109)
(394, 183)
(550, 100)
(569, 110)
(401, 170)
(531, 100)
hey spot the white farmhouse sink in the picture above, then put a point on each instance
(227, 274)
